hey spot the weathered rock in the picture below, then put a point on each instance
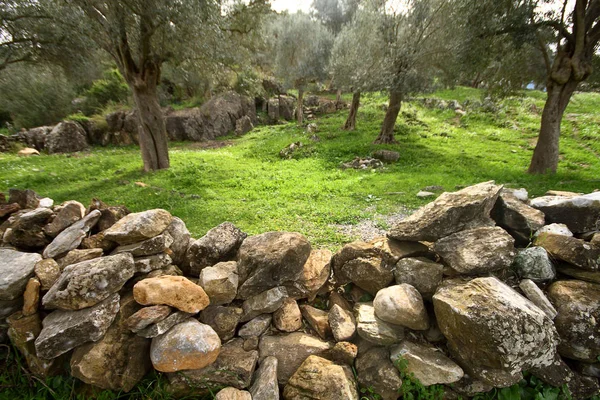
(66, 137)
(318, 378)
(581, 213)
(373, 329)
(401, 305)
(223, 320)
(26, 199)
(98, 241)
(156, 245)
(342, 353)
(375, 370)
(393, 250)
(315, 274)
(188, 345)
(169, 270)
(578, 306)
(174, 291)
(140, 226)
(162, 326)
(470, 387)
(265, 386)
(428, 365)
(342, 323)
(231, 393)
(318, 320)
(243, 125)
(7, 209)
(220, 282)
(264, 303)
(90, 282)
(535, 264)
(290, 350)
(66, 330)
(288, 317)
(519, 219)
(109, 214)
(387, 156)
(493, 329)
(421, 273)
(8, 307)
(152, 263)
(71, 237)
(31, 297)
(537, 297)
(556, 229)
(69, 213)
(15, 270)
(269, 260)
(47, 271)
(146, 316)
(477, 251)
(119, 360)
(79, 255)
(578, 273)
(181, 240)
(219, 244)
(255, 327)
(449, 213)
(335, 297)
(25, 229)
(575, 251)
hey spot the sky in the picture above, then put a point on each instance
(291, 5)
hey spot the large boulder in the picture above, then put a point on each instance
(15, 270)
(66, 137)
(421, 273)
(580, 213)
(314, 275)
(35, 137)
(577, 252)
(449, 213)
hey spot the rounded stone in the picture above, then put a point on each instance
(401, 305)
(174, 291)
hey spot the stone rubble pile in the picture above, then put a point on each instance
(468, 292)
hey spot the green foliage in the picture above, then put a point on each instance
(111, 89)
(248, 83)
(529, 388)
(412, 389)
(78, 117)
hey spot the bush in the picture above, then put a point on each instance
(111, 89)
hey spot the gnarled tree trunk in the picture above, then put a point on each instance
(387, 129)
(350, 124)
(299, 111)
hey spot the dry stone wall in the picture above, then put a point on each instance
(468, 293)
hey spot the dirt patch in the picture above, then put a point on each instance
(211, 144)
(369, 229)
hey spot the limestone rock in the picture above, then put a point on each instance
(220, 282)
(449, 213)
(26, 199)
(288, 317)
(140, 226)
(342, 353)
(109, 214)
(219, 244)
(31, 297)
(264, 303)
(318, 378)
(158, 328)
(66, 137)
(575, 251)
(79, 255)
(519, 219)
(375, 370)
(537, 297)
(492, 328)
(66, 330)
(90, 282)
(317, 319)
(47, 271)
(223, 320)
(373, 329)
(25, 229)
(535, 264)
(477, 251)
(470, 387)
(156, 245)
(265, 386)
(98, 241)
(152, 263)
(429, 365)
(188, 345)
(181, 240)
(421, 273)
(578, 273)
(231, 393)
(393, 250)
(315, 274)
(342, 323)
(147, 316)
(580, 213)
(255, 327)
(15, 270)
(71, 237)
(68, 213)
(556, 229)
(269, 260)
(174, 291)
(401, 305)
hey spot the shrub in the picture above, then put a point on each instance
(111, 89)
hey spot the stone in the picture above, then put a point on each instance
(449, 213)
(580, 274)
(270, 260)
(373, 329)
(290, 350)
(8, 307)
(580, 213)
(219, 244)
(146, 316)
(578, 306)
(494, 330)
(243, 125)
(168, 270)
(90, 282)
(15, 270)
(265, 386)
(424, 195)
(174, 291)
(98, 241)
(375, 370)
(71, 237)
(109, 214)
(401, 305)
(158, 328)
(534, 263)
(231, 393)
(68, 213)
(7, 209)
(342, 353)
(187, 345)
(342, 323)
(318, 378)
(393, 250)
(119, 360)
(26, 199)
(516, 217)
(46, 202)
(47, 271)
(65, 330)
(387, 156)
(79, 255)
(152, 263)
(470, 387)
(537, 297)
(477, 251)
(220, 282)
(428, 365)
(181, 240)
(556, 229)
(223, 320)
(315, 274)
(31, 297)
(288, 317)
(264, 303)
(140, 226)
(255, 327)
(421, 273)
(335, 297)
(25, 229)
(574, 251)
(27, 152)
(66, 137)
(318, 320)
(156, 245)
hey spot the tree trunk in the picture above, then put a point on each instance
(299, 111)
(153, 132)
(546, 154)
(350, 124)
(387, 129)
(338, 97)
